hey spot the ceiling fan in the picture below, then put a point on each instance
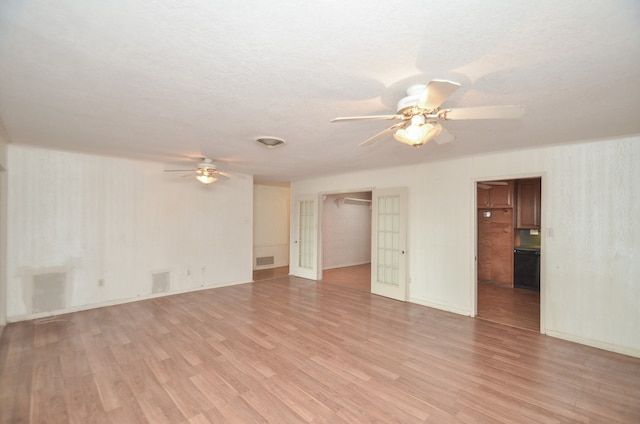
(419, 113)
(206, 172)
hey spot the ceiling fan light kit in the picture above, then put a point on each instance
(205, 176)
(420, 112)
(419, 132)
(206, 172)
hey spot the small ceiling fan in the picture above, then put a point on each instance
(206, 172)
(419, 113)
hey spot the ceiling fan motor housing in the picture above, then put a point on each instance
(206, 164)
(407, 103)
(411, 100)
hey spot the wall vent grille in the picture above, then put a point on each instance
(265, 260)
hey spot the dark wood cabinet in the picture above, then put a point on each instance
(483, 197)
(495, 246)
(496, 195)
(528, 204)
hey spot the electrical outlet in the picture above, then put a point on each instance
(100, 282)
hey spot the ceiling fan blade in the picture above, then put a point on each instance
(484, 112)
(221, 175)
(368, 118)
(382, 133)
(178, 170)
(436, 93)
(444, 137)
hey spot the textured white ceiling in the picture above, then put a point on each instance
(165, 80)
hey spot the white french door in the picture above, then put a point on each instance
(305, 243)
(388, 243)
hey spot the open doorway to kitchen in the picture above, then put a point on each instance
(508, 251)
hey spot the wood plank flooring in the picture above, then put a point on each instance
(269, 273)
(508, 305)
(289, 350)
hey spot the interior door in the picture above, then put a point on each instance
(305, 242)
(388, 243)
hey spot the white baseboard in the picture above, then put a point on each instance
(260, 268)
(440, 306)
(79, 308)
(347, 265)
(595, 343)
(569, 337)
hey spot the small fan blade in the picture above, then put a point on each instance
(221, 175)
(179, 170)
(368, 118)
(444, 137)
(383, 133)
(436, 93)
(485, 112)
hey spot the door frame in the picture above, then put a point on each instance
(544, 229)
(318, 198)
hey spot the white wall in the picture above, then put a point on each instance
(4, 141)
(590, 242)
(93, 217)
(271, 224)
(346, 231)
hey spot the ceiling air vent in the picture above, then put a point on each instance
(270, 142)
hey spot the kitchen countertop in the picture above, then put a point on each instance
(531, 248)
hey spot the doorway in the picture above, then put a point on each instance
(508, 219)
(345, 239)
(372, 230)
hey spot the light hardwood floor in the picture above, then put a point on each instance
(270, 273)
(289, 350)
(508, 305)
